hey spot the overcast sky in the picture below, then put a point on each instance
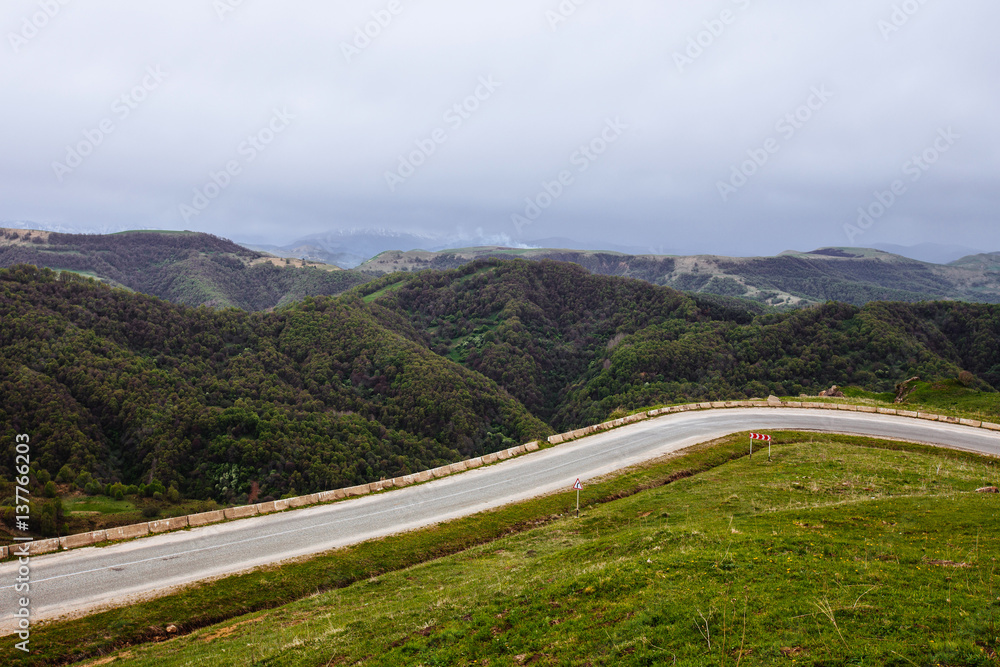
(730, 126)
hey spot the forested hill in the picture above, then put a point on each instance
(414, 370)
(183, 267)
(319, 396)
(574, 347)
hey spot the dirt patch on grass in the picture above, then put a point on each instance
(230, 629)
(947, 563)
(109, 659)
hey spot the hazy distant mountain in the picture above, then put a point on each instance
(852, 275)
(349, 248)
(929, 252)
(987, 261)
(563, 242)
(62, 228)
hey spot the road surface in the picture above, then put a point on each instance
(83, 580)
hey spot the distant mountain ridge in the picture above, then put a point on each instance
(793, 278)
(200, 269)
(184, 267)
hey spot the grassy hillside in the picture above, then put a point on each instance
(840, 551)
(183, 267)
(851, 275)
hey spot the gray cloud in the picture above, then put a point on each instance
(702, 88)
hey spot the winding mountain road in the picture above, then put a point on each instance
(83, 580)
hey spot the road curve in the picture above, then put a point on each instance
(82, 580)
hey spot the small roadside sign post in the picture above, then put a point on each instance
(765, 438)
(578, 486)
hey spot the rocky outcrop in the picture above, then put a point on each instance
(904, 389)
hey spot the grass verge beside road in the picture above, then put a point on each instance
(750, 491)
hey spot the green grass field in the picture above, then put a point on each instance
(838, 552)
(948, 397)
(96, 504)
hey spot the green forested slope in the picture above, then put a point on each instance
(135, 389)
(575, 347)
(532, 327)
(411, 371)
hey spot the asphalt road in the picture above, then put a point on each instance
(83, 580)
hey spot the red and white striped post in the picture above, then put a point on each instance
(765, 438)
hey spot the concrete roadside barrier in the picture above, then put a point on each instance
(164, 525)
(240, 512)
(206, 518)
(128, 532)
(266, 508)
(83, 539)
(39, 547)
(400, 482)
